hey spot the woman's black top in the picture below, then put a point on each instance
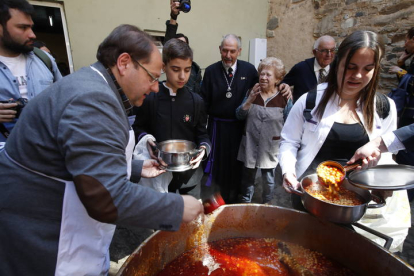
(340, 145)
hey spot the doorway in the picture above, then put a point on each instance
(50, 28)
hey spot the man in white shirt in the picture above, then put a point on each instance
(22, 73)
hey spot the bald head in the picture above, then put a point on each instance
(324, 50)
(324, 39)
(231, 38)
(230, 49)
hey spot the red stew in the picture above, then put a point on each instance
(252, 257)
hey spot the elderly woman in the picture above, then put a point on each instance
(347, 114)
(264, 108)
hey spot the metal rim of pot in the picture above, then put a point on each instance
(177, 161)
(336, 242)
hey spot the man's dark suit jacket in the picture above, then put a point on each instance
(302, 77)
(406, 136)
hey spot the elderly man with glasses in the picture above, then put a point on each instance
(307, 74)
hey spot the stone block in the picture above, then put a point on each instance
(359, 14)
(389, 29)
(349, 23)
(273, 23)
(270, 33)
(396, 8)
(349, 2)
(391, 56)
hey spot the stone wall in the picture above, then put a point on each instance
(293, 26)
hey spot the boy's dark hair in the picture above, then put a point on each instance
(182, 35)
(125, 39)
(175, 48)
(410, 33)
(21, 5)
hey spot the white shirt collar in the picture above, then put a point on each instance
(169, 89)
(234, 67)
(317, 67)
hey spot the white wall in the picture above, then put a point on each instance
(90, 21)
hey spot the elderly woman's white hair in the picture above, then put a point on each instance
(276, 64)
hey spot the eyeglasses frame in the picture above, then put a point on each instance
(154, 79)
(326, 51)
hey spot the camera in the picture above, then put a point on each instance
(21, 103)
(185, 5)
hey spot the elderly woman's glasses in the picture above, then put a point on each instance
(326, 51)
(154, 79)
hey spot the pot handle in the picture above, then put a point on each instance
(195, 152)
(380, 202)
(388, 239)
(294, 191)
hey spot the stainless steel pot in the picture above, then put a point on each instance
(333, 212)
(177, 154)
(354, 251)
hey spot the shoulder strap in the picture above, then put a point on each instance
(45, 58)
(382, 105)
(310, 104)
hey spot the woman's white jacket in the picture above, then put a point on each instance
(302, 140)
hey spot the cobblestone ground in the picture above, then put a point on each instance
(127, 240)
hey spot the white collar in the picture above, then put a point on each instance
(234, 67)
(317, 67)
(169, 89)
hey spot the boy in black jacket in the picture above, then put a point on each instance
(176, 113)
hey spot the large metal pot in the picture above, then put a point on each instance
(263, 221)
(333, 212)
(177, 154)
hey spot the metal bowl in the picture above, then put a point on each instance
(334, 212)
(177, 154)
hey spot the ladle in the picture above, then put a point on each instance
(342, 169)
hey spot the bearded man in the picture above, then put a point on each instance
(23, 75)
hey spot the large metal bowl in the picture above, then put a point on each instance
(263, 221)
(177, 154)
(334, 212)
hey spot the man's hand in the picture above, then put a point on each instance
(289, 180)
(370, 153)
(174, 10)
(192, 208)
(285, 90)
(6, 113)
(151, 169)
(394, 69)
(197, 160)
(151, 146)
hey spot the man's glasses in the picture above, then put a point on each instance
(154, 79)
(326, 51)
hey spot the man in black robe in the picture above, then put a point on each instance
(223, 89)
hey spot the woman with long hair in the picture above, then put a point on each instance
(346, 113)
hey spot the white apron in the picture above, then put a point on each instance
(83, 242)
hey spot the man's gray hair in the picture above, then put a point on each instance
(231, 36)
(323, 38)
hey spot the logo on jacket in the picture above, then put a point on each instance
(187, 118)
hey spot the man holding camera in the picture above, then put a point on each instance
(23, 75)
(194, 82)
